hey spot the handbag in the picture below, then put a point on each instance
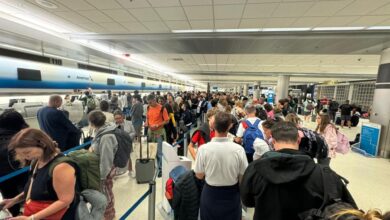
(31, 207)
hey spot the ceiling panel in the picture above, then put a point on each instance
(279, 22)
(337, 21)
(92, 27)
(202, 24)
(228, 2)
(113, 27)
(308, 21)
(226, 24)
(164, 3)
(178, 25)
(171, 13)
(156, 26)
(119, 15)
(106, 4)
(145, 14)
(264, 1)
(228, 11)
(77, 4)
(368, 21)
(259, 10)
(135, 27)
(96, 16)
(197, 2)
(134, 4)
(384, 10)
(327, 8)
(73, 17)
(199, 12)
(252, 23)
(362, 7)
(292, 9)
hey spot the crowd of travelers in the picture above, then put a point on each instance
(247, 152)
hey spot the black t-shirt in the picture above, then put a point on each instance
(346, 109)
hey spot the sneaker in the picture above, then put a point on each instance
(121, 174)
(132, 174)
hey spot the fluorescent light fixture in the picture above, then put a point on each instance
(239, 30)
(379, 28)
(265, 65)
(286, 29)
(193, 31)
(337, 28)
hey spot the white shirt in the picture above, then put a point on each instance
(252, 120)
(222, 161)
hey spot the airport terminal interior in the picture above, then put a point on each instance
(308, 58)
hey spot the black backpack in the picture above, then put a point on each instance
(333, 203)
(125, 147)
(313, 144)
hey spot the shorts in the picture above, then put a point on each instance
(345, 118)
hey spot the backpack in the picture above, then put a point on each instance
(170, 184)
(313, 144)
(125, 146)
(334, 106)
(343, 145)
(310, 106)
(332, 201)
(91, 104)
(87, 165)
(251, 133)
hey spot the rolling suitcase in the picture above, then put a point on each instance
(144, 167)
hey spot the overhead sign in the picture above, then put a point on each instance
(369, 138)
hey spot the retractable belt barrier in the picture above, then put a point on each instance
(152, 185)
(152, 191)
(26, 169)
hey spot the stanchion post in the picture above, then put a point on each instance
(185, 143)
(152, 201)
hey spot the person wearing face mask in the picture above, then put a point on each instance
(204, 134)
(45, 196)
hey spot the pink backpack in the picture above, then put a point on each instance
(343, 145)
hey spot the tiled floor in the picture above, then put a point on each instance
(369, 183)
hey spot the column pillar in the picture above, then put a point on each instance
(380, 108)
(245, 92)
(256, 90)
(239, 90)
(282, 87)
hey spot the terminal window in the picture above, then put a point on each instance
(29, 74)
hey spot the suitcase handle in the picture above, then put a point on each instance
(147, 147)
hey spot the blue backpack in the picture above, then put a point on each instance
(251, 133)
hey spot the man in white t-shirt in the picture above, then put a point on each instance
(255, 143)
(221, 163)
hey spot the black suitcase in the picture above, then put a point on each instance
(144, 167)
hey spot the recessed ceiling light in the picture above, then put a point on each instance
(193, 31)
(238, 30)
(46, 4)
(379, 28)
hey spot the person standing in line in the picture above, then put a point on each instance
(346, 110)
(156, 118)
(11, 122)
(105, 145)
(221, 163)
(57, 125)
(286, 182)
(137, 112)
(127, 126)
(329, 132)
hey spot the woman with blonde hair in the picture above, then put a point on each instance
(354, 214)
(46, 196)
